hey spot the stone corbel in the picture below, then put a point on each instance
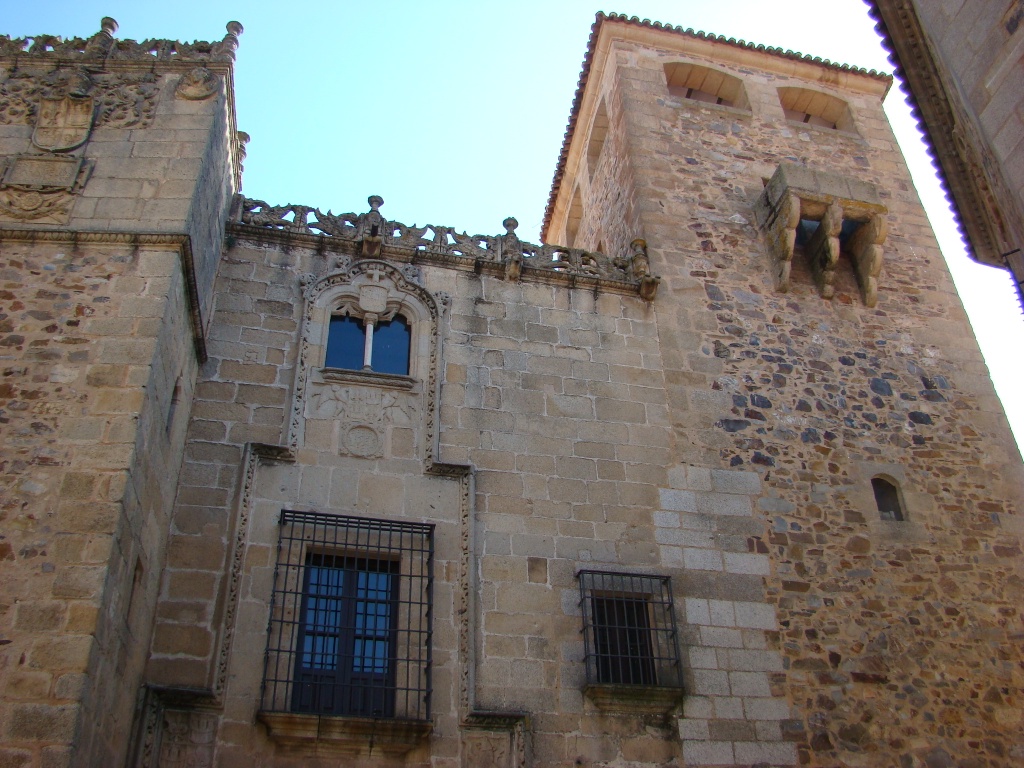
(823, 250)
(797, 192)
(782, 238)
(866, 249)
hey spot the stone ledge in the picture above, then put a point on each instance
(370, 378)
(634, 699)
(343, 736)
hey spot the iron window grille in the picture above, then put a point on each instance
(350, 631)
(629, 629)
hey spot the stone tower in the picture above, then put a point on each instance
(715, 477)
(118, 162)
(809, 334)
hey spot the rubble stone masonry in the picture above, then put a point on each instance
(747, 323)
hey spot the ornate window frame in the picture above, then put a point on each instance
(360, 287)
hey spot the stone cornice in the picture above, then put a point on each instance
(934, 106)
(182, 243)
(370, 235)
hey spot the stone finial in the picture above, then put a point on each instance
(225, 49)
(371, 227)
(511, 249)
(641, 267)
(98, 46)
(640, 263)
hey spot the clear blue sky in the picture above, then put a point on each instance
(454, 111)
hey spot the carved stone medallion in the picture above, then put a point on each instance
(364, 441)
(197, 84)
(63, 123)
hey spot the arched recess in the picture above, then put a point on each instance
(711, 86)
(803, 105)
(598, 134)
(572, 221)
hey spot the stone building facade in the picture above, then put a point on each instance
(719, 479)
(962, 62)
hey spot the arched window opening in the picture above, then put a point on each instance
(572, 225)
(802, 105)
(887, 499)
(598, 134)
(697, 83)
(356, 344)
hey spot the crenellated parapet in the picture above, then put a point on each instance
(104, 47)
(371, 235)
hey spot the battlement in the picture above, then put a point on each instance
(104, 47)
(501, 254)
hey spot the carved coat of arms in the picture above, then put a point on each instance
(63, 123)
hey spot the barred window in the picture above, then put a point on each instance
(629, 629)
(350, 618)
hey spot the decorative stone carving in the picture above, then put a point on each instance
(103, 46)
(368, 402)
(505, 253)
(187, 739)
(122, 100)
(511, 250)
(494, 739)
(365, 415)
(64, 118)
(797, 193)
(197, 84)
(372, 226)
(41, 188)
(484, 749)
(639, 265)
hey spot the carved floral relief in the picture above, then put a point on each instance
(365, 415)
(63, 99)
(40, 188)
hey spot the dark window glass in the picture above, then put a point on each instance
(346, 635)
(887, 498)
(391, 346)
(622, 640)
(346, 338)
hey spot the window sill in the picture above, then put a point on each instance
(370, 378)
(634, 699)
(344, 736)
(824, 130)
(694, 104)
